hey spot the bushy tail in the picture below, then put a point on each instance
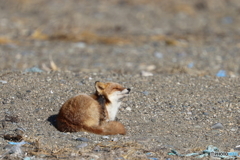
(107, 128)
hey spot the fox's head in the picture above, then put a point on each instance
(112, 91)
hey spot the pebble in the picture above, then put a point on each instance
(197, 126)
(158, 55)
(33, 69)
(217, 126)
(109, 79)
(128, 109)
(234, 129)
(3, 82)
(205, 113)
(143, 140)
(191, 65)
(221, 73)
(80, 45)
(73, 154)
(189, 113)
(149, 153)
(105, 137)
(114, 139)
(146, 74)
(145, 93)
(82, 145)
(151, 67)
(27, 158)
(7, 147)
(153, 120)
(83, 139)
(97, 149)
(19, 131)
(151, 158)
(238, 146)
(227, 20)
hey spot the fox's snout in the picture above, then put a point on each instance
(128, 90)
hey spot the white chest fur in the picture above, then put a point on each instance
(112, 109)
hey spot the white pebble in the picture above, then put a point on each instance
(105, 137)
(128, 109)
(115, 139)
(3, 82)
(82, 145)
(217, 126)
(146, 74)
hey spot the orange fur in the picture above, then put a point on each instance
(86, 113)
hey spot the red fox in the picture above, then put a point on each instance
(94, 113)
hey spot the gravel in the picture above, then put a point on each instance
(179, 57)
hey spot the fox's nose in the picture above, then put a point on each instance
(129, 90)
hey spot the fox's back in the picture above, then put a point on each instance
(79, 110)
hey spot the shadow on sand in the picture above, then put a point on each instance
(53, 120)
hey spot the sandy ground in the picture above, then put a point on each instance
(180, 58)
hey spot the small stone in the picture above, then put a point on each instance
(190, 65)
(27, 158)
(97, 149)
(153, 119)
(33, 69)
(7, 147)
(83, 139)
(114, 139)
(151, 67)
(148, 154)
(221, 73)
(152, 158)
(13, 119)
(197, 126)
(145, 93)
(109, 79)
(233, 129)
(3, 82)
(143, 140)
(172, 106)
(146, 74)
(217, 126)
(158, 55)
(42, 155)
(128, 109)
(105, 137)
(80, 45)
(19, 131)
(73, 154)
(205, 113)
(82, 145)
(227, 20)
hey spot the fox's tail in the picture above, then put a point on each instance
(107, 128)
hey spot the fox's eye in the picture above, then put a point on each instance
(119, 89)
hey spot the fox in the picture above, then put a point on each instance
(94, 113)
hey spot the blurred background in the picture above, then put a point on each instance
(196, 37)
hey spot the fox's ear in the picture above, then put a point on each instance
(99, 86)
